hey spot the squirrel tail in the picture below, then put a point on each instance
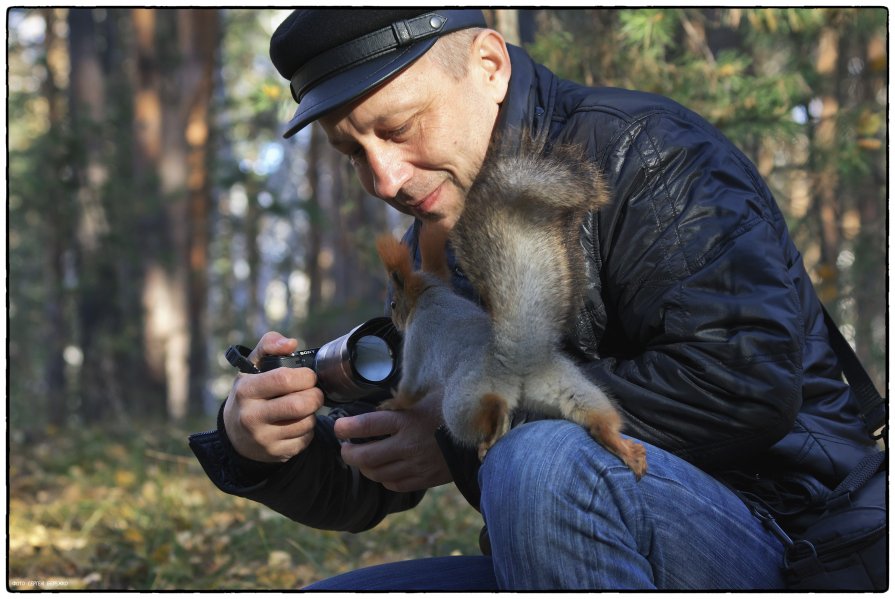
(518, 242)
(561, 180)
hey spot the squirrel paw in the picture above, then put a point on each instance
(634, 456)
(401, 401)
(604, 427)
(491, 420)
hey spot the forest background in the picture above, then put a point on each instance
(155, 216)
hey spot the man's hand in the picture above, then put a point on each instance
(269, 417)
(409, 458)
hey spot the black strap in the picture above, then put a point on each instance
(873, 406)
(377, 43)
(862, 473)
(801, 554)
(238, 356)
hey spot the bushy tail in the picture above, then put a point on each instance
(518, 242)
(561, 180)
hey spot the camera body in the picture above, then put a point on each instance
(305, 358)
(363, 365)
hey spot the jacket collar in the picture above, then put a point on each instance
(530, 101)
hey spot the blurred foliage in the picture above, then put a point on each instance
(803, 91)
(131, 510)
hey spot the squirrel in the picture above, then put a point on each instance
(445, 335)
(516, 240)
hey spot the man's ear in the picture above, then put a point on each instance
(491, 57)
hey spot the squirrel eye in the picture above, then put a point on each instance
(393, 305)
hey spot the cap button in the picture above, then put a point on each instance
(435, 22)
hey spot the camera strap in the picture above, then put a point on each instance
(238, 356)
(873, 408)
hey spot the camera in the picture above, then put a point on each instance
(363, 365)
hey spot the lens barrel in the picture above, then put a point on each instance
(361, 365)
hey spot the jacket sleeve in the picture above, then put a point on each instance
(315, 488)
(703, 326)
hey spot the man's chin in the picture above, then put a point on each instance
(444, 221)
(430, 217)
(440, 218)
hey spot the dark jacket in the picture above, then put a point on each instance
(699, 319)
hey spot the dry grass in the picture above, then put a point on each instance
(133, 510)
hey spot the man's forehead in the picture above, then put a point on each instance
(381, 107)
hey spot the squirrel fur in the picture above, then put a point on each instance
(517, 240)
(445, 334)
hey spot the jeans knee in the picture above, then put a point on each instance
(545, 491)
(537, 464)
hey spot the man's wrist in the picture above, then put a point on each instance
(243, 469)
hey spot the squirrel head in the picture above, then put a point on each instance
(408, 284)
(405, 285)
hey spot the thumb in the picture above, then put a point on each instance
(273, 344)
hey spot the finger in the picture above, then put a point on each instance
(373, 455)
(276, 383)
(294, 406)
(286, 430)
(405, 485)
(272, 344)
(264, 433)
(371, 424)
(398, 476)
(390, 473)
(286, 448)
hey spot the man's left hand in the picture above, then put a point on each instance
(408, 459)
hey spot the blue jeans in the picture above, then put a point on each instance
(564, 513)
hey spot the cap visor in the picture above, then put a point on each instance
(353, 83)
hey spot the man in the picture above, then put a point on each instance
(700, 320)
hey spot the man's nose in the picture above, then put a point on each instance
(390, 172)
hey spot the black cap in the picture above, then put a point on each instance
(332, 56)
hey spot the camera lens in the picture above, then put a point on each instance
(373, 358)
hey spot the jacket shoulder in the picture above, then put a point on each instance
(601, 118)
(626, 105)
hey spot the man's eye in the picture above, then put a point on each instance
(356, 155)
(400, 132)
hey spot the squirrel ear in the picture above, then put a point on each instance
(396, 258)
(433, 244)
(397, 280)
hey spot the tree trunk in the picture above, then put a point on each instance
(177, 135)
(826, 182)
(315, 226)
(200, 45)
(147, 150)
(57, 328)
(869, 203)
(253, 218)
(87, 112)
(507, 22)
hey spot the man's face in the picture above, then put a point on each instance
(418, 141)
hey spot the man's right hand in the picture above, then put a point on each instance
(269, 417)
